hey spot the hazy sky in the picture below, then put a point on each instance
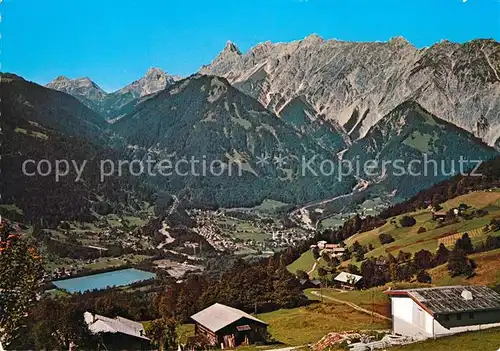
(115, 41)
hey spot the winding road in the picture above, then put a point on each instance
(358, 190)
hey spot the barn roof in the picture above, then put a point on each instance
(348, 278)
(219, 316)
(101, 324)
(452, 299)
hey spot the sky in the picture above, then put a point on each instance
(114, 42)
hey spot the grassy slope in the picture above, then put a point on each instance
(478, 199)
(305, 262)
(303, 325)
(487, 272)
(363, 298)
(408, 240)
(485, 340)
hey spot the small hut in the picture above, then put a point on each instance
(348, 280)
(227, 327)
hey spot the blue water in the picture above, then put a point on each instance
(104, 280)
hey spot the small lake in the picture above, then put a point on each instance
(104, 280)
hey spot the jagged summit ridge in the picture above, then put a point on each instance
(112, 104)
(153, 81)
(356, 83)
(231, 47)
(80, 87)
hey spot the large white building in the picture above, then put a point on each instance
(439, 311)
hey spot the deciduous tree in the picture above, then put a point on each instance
(163, 333)
(20, 278)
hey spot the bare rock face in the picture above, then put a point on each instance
(122, 101)
(154, 81)
(84, 89)
(356, 84)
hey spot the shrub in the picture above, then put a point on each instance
(300, 274)
(322, 272)
(464, 244)
(385, 238)
(424, 277)
(407, 221)
(459, 264)
(421, 230)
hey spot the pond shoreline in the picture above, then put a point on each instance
(103, 280)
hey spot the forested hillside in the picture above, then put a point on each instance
(44, 127)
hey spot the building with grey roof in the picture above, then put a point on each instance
(227, 327)
(348, 280)
(117, 333)
(440, 311)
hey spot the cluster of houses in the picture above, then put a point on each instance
(217, 233)
(343, 280)
(63, 272)
(441, 215)
(416, 313)
(334, 250)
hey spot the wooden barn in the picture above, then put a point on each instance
(226, 327)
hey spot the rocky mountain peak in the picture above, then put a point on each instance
(87, 82)
(82, 88)
(61, 79)
(153, 81)
(154, 72)
(231, 48)
(313, 39)
(399, 41)
(111, 105)
(262, 48)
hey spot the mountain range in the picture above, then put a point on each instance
(266, 110)
(111, 105)
(205, 118)
(356, 84)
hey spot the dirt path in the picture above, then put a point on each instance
(353, 305)
(288, 348)
(314, 266)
